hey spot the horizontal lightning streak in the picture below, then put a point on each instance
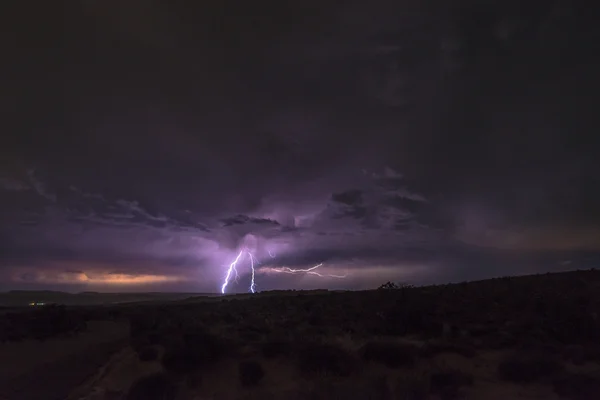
(284, 270)
(311, 271)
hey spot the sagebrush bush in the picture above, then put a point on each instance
(276, 348)
(153, 387)
(326, 359)
(390, 354)
(412, 387)
(434, 348)
(577, 386)
(250, 372)
(526, 368)
(447, 383)
(198, 350)
(148, 353)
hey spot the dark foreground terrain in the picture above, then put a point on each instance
(533, 337)
(22, 298)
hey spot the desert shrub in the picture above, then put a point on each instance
(256, 327)
(228, 317)
(166, 338)
(193, 380)
(369, 387)
(313, 333)
(447, 383)
(390, 354)
(250, 336)
(177, 361)
(592, 353)
(153, 387)
(412, 387)
(315, 319)
(197, 351)
(376, 387)
(526, 368)
(576, 354)
(325, 359)
(411, 316)
(11, 330)
(480, 330)
(276, 348)
(138, 343)
(577, 386)
(250, 372)
(148, 353)
(140, 324)
(500, 340)
(207, 347)
(434, 348)
(395, 286)
(41, 324)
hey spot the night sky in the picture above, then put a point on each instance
(145, 143)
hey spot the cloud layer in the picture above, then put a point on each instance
(414, 141)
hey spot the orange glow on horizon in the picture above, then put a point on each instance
(124, 279)
(97, 278)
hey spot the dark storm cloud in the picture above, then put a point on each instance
(10, 184)
(80, 228)
(244, 219)
(159, 137)
(350, 197)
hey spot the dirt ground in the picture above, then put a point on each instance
(49, 370)
(282, 380)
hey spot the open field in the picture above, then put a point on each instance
(532, 337)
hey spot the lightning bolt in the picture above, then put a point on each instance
(311, 271)
(232, 267)
(252, 284)
(284, 270)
